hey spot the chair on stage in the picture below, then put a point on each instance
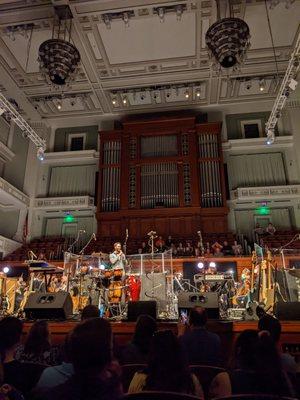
(128, 371)
(205, 375)
(157, 395)
(255, 396)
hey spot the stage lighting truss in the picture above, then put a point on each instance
(288, 83)
(27, 130)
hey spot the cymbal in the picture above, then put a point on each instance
(295, 272)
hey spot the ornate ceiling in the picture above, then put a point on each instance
(153, 63)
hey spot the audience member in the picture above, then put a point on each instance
(96, 376)
(189, 250)
(37, 348)
(258, 232)
(169, 242)
(226, 249)
(270, 229)
(218, 252)
(23, 376)
(90, 311)
(160, 244)
(180, 249)
(273, 326)
(256, 368)
(216, 246)
(237, 249)
(137, 351)
(207, 250)
(167, 368)
(54, 376)
(200, 345)
(8, 392)
(145, 248)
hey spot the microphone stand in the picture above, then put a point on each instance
(89, 241)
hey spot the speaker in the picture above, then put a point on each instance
(209, 301)
(153, 287)
(49, 306)
(137, 308)
(287, 311)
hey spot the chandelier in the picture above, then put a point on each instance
(228, 41)
(58, 57)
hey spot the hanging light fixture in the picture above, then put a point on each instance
(228, 40)
(59, 58)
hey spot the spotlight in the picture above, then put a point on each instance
(161, 14)
(6, 270)
(40, 154)
(200, 265)
(212, 264)
(248, 85)
(126, 19)
(198, 93)
(187, 94)
(102, 266)
(59, 105)
(270, 137)
(114, 101)
(178, 12)
(107, 21)
(124, 100)
(262, 85)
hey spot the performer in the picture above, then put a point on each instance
(117, 258)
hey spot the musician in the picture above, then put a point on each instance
(117, 258)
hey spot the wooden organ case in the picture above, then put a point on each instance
(163, 174)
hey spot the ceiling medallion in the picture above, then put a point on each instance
(58, 57)
(228, 41)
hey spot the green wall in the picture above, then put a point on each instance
(14, 171)
(9, 223)
(61, 137)
(233, 123)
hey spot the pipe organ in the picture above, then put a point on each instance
(163, 174)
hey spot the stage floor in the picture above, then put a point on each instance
(227, 330)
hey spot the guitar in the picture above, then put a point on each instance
(267, 286)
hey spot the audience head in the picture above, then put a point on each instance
(37, 340)
(167, 367)
(144, 330)
(91, 346)
(271, 325)
(10, 334)
(225, 243)
(89, 311)
(244, 350)
(198, 317)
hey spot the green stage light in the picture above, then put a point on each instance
(263, 210)
(69, 218)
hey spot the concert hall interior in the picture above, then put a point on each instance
(149, 192)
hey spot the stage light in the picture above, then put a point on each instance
(198, 93)
(124, 100)
(187, 94)
(6, 270)
(200, 265)
(40, 154)
(262, 85)
(270, 137)
(59, 105)
(230, 271)
(102, 266)
(212, 264)
(114, 101)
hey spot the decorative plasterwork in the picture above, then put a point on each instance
(64, 203)
(71, 157)
(14, 193)
(265, 193)
(5, 153)
(7, 246)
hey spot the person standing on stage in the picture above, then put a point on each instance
(117, 258)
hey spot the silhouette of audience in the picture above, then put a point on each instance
(96, 376)
(167, 368)
(90, 311)
(200, 345)
(137, 351)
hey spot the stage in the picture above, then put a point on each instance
(227, 330)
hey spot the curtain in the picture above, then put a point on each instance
(256, 170)
(71, 181)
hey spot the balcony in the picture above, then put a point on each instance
(64, 203)
(284, 192)
(6, 154)
(12, 197)
(71, 157)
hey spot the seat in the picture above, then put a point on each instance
(205, 375)
(156, 395)
(255, 397)
(128, 371)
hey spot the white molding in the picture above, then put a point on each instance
(266, 193)
(237, 145)
(14, 193)
(76, 135)
(71, 157)
(7, 246)
(5, 153)
(64, 203)
(253, 122)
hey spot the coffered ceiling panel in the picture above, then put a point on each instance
(148, 39)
